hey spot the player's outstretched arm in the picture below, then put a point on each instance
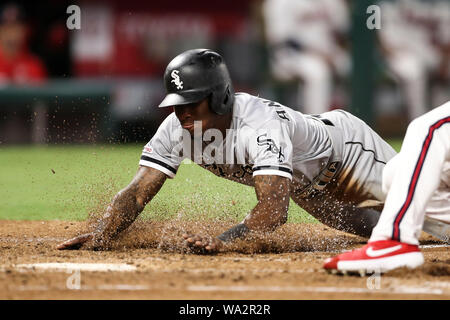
(123, 210)
(270, 212)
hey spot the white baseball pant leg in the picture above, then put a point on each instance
(417, 178)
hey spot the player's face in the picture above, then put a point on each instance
(200, 111)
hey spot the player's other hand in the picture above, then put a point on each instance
(75, 243)
(201, 244)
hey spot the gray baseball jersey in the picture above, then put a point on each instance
(334, 150)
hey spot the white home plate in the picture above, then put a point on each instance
(65, 266)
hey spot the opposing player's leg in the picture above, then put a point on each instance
(437, 219)
(416, 175)
(411, 180)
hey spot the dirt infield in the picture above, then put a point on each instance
(283, 265)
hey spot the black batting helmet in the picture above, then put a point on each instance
(195, 75)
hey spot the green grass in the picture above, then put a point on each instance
(69, 182)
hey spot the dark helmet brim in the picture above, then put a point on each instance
(176, 99)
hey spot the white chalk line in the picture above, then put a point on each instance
(428, 246)
(105, 287)
(105, 267)
(398, 290)
(441, 284)
(67, 266)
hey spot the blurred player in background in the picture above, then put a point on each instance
(441, 90)
(417, 183)
(414, 38)
(17, 64)
(304, 39)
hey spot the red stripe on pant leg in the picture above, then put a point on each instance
(415, 177)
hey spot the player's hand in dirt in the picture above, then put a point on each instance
(75, 243)
(201, 244)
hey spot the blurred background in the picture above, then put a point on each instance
(103, 82)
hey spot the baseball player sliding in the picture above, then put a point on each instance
(330, 164)
(417, 183)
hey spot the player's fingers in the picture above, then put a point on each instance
(70, 244)
(74, 243)
(62, 246)
(198, 243)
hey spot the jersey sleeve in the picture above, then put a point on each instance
(159, 152)
(270, 150)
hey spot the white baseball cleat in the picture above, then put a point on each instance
(377, 256)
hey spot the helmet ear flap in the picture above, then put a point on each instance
(222, 102)
(226, 96)
(215, 103)
(228, 99)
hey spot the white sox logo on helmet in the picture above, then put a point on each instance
(176, 79)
